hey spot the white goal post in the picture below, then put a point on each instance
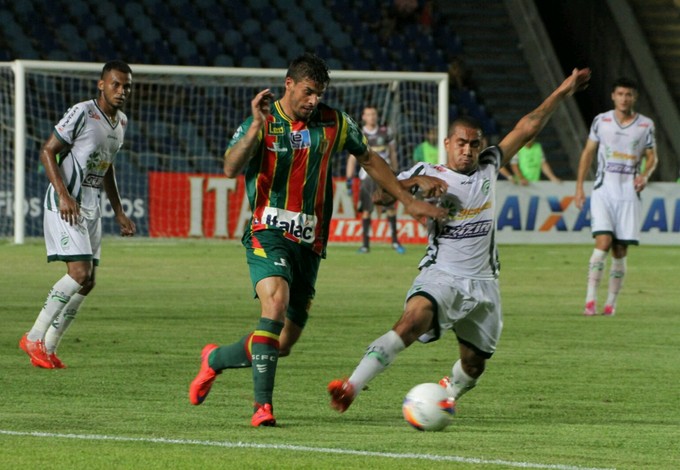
(180, 120)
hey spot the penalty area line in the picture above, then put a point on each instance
(294, 448)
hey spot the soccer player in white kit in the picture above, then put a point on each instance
(457, 287)
(621, 137)
(78, 159)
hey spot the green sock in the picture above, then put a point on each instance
(265, 355)
(233, 356)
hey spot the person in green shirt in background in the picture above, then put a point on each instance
(530, 162)
(427, 151)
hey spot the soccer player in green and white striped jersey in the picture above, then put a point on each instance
(78, 159)
(287, 148)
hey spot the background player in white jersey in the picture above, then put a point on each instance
(78, 159)
(457, 287)
(381, 139)
(621, 137)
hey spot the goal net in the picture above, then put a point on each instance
(181, 120)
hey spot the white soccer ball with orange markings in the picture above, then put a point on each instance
(427, 407)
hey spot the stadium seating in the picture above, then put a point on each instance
(208, 32)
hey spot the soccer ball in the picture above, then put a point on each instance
(427, 407)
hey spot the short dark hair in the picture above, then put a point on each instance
(625, 82)
(118, 65)
(465, 121)
(309, 66)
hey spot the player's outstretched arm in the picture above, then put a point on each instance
(426, 187)
(381, 173)
(236, 157)
(530, 125)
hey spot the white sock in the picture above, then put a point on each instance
(617, 271)
(461, 383)
(595, 269)
(59, 296)
(61, 323)
(379, 354)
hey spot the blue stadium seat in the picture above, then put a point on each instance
(187, 53)
(232, 39)
(141, 24)
(178, 36)
(268, 51)
(312, 39)
(286, 38)
(132, 10)
(94, 32)
(210, 49)
(276, 62)
(161, 53)
(150, 36)
(78, 10)
(105, 9)
(277, 25)
(223, 60)
(251, 29)
(58, 55)
(206, 5)
(259, 5)
(204, 37)
(164, 17)
(251, 61)
(149, 4)
(294, 50)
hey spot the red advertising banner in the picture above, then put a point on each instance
(212, 206)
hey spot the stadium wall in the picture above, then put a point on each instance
(215, 207)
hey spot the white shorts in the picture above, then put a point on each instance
(620, 219)
(469, 307)
(64, 242)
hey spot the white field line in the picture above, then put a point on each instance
(295, 448)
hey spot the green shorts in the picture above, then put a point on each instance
(269, 253)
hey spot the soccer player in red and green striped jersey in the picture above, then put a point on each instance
(287, 149)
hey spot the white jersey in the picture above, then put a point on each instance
(465, 245)
(379, 139)
(619, 153)
(93, 143)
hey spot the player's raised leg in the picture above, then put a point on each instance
(379, 354)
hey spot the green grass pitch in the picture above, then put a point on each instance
(562, 392)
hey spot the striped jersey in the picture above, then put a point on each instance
(289, 181)
(379, 139)
(620, 153)
(465, 245)
(93, 141)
